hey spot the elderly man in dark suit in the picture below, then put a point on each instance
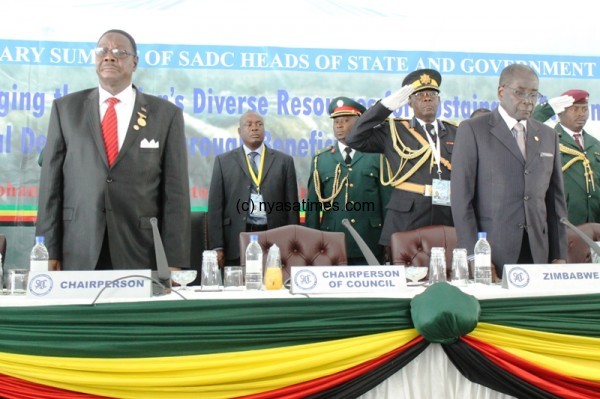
(114, 159)
(253, 188)
(507, 179)
(418, 152)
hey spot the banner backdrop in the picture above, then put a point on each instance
(291, 87)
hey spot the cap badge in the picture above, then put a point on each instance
(425, 79)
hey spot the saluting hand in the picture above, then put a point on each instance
(398, 99)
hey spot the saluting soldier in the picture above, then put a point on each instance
(418, 153)
(345, 184)
(580, 154)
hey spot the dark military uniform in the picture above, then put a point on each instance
(333, 184)
(407, 152)
(362, 190)
(582, 194)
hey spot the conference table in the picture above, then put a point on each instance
(439, 341)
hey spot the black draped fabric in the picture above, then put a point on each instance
(367, 381)
(479, 369)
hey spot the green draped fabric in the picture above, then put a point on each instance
(573, 314)
(171, 328)
(443, 313)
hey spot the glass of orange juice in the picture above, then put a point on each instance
(273, 278)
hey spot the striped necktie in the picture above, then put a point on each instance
(109, 131)
(252, 155)
(577, 138)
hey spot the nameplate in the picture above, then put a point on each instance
(552, 277)
(88, 284)
(346, 279)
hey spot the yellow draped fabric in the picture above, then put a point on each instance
(222, 375)
(571, 355)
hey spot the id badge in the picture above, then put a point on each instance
(440, 192)
(258, 205)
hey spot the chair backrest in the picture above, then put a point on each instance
(300, 246)
(413, 247)
(577, 250)
(3, 247)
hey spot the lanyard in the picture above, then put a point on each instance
(257, 179)
(436, 150)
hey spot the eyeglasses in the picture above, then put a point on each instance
(424, 94)
(534, 96)
(116, 52)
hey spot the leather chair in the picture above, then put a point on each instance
(413, 247)
(299, 246)
(577, 249)
(3, 248)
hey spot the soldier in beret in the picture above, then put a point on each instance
(417, 150)
(580, 154)
(344, 184)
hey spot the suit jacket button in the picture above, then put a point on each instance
(109, 180)
(526, 198)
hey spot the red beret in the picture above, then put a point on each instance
(580, 96)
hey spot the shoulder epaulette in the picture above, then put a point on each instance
(451, 123)
(329, 148)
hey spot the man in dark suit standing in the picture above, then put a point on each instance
(114, 159)
(418, 153)
(253, 188)
(345, 184)
(507, 179)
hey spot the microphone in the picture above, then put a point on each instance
(595, 247)
(364, 248)
(162, 267)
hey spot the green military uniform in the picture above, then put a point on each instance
(357, 184)
(582, 194)
(350, 191)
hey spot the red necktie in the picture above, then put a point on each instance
(577, 137)
(109, 131)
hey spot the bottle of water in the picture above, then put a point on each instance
(39, 256)
(483, 260)
(254, 264)
(1, 275)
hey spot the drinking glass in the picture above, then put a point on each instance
(437, 265)
(460, 267)
(183, 278)
(211, 275)
(415, 273)
(234, 278)
(17, 281)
